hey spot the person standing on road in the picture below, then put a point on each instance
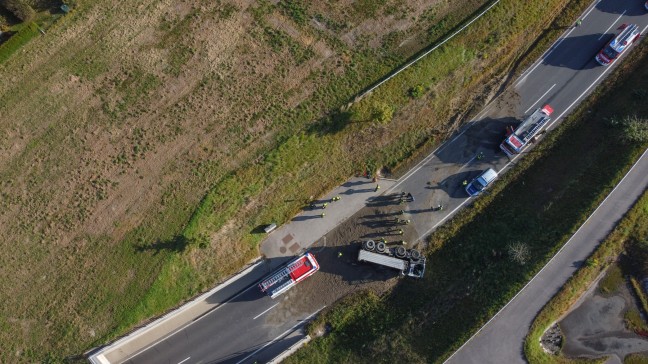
(377, 188)
(579, 22)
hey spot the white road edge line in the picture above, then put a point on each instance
(282, 335)
(409, 174)
(443, 219)
(546, 54)
(541, 97)
(552, 258)
(607, 69)
(186, 326)
(611, 25)
(184, 360)
(261, 314)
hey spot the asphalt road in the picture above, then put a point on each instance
(225, 334)
(501, 339)
(252, 327)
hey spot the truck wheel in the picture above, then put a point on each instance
(369, 245)
(400, 252)
(381, 247)
(415, 254)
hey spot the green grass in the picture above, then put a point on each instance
(24, 35)
(612, 280)
(636, 359)
(470, 276)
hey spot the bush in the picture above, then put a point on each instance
(19, 9)
(16, 41)
(417, 91)
(633, 129)
(382, 112)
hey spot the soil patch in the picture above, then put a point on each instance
(596, 327)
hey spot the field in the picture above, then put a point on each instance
(475, 262)
(141, 152)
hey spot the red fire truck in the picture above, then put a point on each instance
(519, 138)
(289, 275)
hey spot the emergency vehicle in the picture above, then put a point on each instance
(519, 138)
(289, 275)
(620, 43)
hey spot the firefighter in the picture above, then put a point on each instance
(324, 205)
(322, 215)
(464, 183)
(377, 188)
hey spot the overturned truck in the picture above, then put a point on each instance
(410, 262)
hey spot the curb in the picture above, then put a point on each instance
(291, 350)
(96, 355)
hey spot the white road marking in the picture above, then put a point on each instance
(546, 54)
(184, 360)
(541, 97)
(282, 335)
(552, 258)
(189, 324)
(411, 172)
(443, 220)
(615, 21)
(643, 31)
(259, 315)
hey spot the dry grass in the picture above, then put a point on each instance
(116, 125)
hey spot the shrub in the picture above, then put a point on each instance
(19, 9)
(17, 40)
(635, 129)
(417, 91)
(382, 112)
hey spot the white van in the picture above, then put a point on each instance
(477, 185)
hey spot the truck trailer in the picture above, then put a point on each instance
(409, 262)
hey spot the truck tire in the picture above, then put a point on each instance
(369, 245)
(415, 254)
(381, 247)
(400, 252)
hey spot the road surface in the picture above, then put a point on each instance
(245, 330)
(501, 340)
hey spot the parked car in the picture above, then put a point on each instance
(476, 186)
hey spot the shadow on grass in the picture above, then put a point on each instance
(177, 244)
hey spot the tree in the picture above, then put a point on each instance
(19, 9)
